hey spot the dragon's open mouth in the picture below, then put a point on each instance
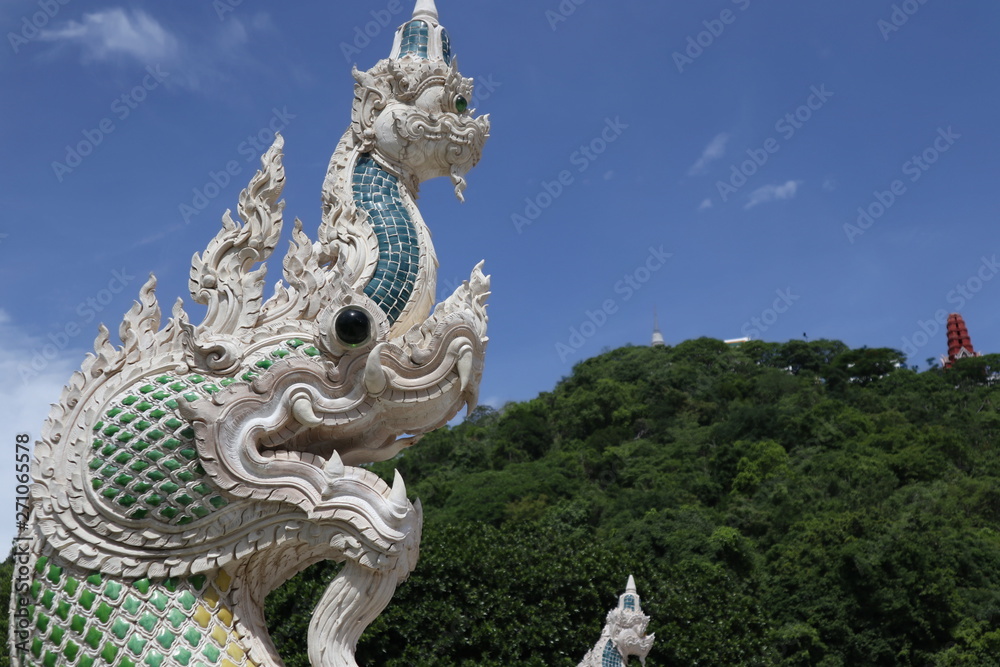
(317, 446)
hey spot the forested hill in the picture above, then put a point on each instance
(779, 504)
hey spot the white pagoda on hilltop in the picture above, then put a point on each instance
(657, 334)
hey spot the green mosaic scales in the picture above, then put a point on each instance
(187, 473)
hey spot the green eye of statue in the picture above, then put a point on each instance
(461, 104)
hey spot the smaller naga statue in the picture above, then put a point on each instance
(184, 475)
(624, 633)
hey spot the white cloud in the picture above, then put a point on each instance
(830, 185)
(770, 193)
(715, 149)
(202, 59)
(112, 33)
(705, 204)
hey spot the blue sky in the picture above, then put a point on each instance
(757, 168)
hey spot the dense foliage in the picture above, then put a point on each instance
(779, 504)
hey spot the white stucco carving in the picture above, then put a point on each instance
(624, 633)
(187, 473)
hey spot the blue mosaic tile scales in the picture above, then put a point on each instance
(630, 602)
(611, 657)
(377, 192)
(416, 37)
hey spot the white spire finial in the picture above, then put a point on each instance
(425, 9)
(657, 334)
(630, 586)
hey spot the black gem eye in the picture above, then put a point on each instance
(353, 327)
(461, 104)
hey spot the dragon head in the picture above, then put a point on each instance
(411, 111)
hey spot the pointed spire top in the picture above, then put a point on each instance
(426, 9)
(629, 600)
(657, 334)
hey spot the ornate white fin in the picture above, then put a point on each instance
(222, 278)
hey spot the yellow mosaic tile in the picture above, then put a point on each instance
(202, 616)
(225, 616)
(211, 596)
(235, 651)
(223, 581)
(220, 636)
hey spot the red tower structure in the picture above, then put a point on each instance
(959, 343)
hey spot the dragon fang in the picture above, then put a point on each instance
(189, 472)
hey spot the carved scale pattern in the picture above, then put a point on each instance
(145, 462)
(89, 620)
(377, 192)
(144, 457)
(611, 657)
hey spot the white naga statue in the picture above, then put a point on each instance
(184, 475)
(624, 633)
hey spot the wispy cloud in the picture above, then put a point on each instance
(770, 193)
(715, 149)
(112, 33)
(201, 57)
(705, 205)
